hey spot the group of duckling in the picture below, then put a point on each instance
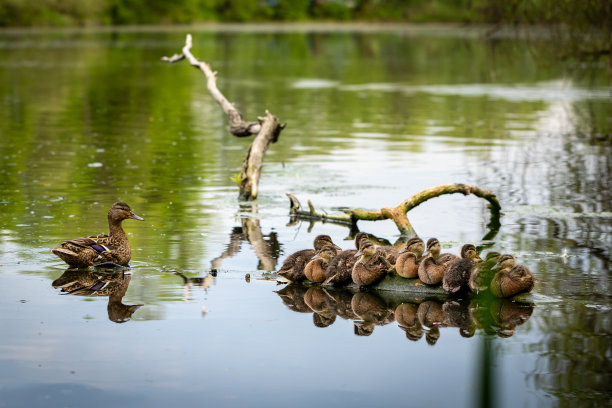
(369, 263)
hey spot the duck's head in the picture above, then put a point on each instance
(505, 261)
(360, 236)
(433, 247)
(366, 249)
(121, 211)
(415, 245)
(468, 251)
(321, 240)
(327, 253)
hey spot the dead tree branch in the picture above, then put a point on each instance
(267, 128)
(397, 214)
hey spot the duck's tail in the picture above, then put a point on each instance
(68, 256)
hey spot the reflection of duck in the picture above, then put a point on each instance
(371, 266)
(480, 276)
(430, 313)
(96, 249)
(511, 279)
(341, 267)
(292, 296)
(203, 282)
(406, 317)
(293, 267)
(458, 272)
(407, 264)
(322, 304)
(459, 314)
(508, 314)
(433, 266)
(86, 283)
(316, 267)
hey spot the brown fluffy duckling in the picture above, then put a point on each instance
(481, 274)
(407, 264)
(340, 268)
(371, 266)
(457, 274)
(96, 249)
(316, 267)
(511, 279)
(293, 267)
(434, 264)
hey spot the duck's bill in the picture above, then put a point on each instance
(358, 254)
(135, 217)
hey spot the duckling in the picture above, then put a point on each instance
(293, 267)
(481, 275)
(371, 266)
(340, 268)
(407, 264)
(511, 279)
(458, 272)
(316, 267)
(432, 267)
(96, 249)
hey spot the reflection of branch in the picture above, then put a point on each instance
(267, 128)
(236, 238)
(398, 214)
(266, 251)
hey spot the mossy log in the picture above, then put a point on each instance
(267, 128)
(398, 213)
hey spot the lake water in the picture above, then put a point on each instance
(373, 116)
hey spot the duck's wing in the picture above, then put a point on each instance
(100, 242)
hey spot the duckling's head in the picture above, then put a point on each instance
(327, 253)
(433, 247)
(321, 240)
(360, 236)
(506, 261)
(366, 249)
(468, 251)
(416, 246)
(492, 257)
(121, 211)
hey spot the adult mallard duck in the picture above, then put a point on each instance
(407, 264)
(432, 267)
(340, 268)
(371, 266)
(458, 272)
(293, 267)
(316, 267)
(97, 249)
(511, 279)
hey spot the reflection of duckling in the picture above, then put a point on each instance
(508, 314)
(323, 319)
(292, 296)
(97, 249)
(433, 266)
(432, 335)
(458, 272)
(430, 313)
(406, 317)
(511, 279)
(480, 276)
(342, 299)
(459, 314)
(318, 300)
(371, 308)
(372, 265)
(316, 267)
(340, 268)
(407, 264)
(293, 267)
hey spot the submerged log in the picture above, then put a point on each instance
(398, 213)
(267, 128)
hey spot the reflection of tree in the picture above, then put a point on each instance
(89, 283)
(267, 251)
